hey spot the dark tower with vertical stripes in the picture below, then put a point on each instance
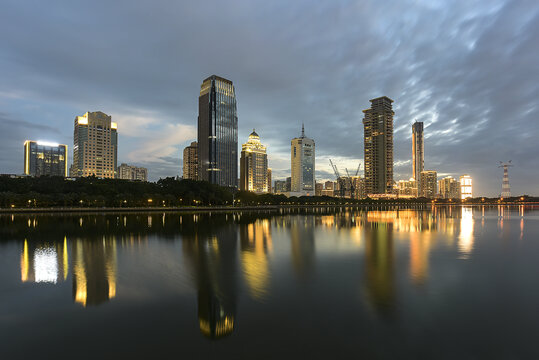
(217, 132)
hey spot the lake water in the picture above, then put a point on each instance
(386, 283)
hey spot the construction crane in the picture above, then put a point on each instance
(351, 180)
(340, 180)
(506, 189)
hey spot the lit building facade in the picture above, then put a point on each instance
(95, 149)
(217, 132)
(418, 150)
(302, 153)
(449, 188)
(128, 172)
(190, 161)
(43, 158)
(378, 152)
(428, 184)
(466, 187)
(254, 165)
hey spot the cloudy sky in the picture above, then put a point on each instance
(468, 69)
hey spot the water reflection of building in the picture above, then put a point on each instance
(94, 270)
(379, 267)
(466, 236)
(302, 241)
(213, 258)
(43, 262)
(256, 244)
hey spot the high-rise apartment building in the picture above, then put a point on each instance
(95, 149)
(129, 172)
(254, 165)
(378, 153)
(302, 152)
(43, 158)
(190, 162)
(428, 184)
(466, 187)
(449, 188)
(418, 150)
(217, 132)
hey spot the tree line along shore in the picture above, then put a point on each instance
(47, 192)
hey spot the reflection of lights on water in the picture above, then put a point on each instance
(466, 239)
(45, 265)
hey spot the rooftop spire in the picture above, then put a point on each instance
(302, 130)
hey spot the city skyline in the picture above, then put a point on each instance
(464, 112)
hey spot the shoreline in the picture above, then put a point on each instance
(236, 208)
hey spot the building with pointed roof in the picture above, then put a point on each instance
(254, 165)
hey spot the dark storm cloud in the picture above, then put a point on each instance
(468, 70)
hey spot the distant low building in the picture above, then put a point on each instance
(449, 188)
(318, 187)
(407, 188)
(128, 172)
(270, 190)
(44, 158)
(279, 186)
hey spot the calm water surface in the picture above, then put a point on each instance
(444, 283)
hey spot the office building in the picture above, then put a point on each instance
(269, 181)
(190, 162)
(378, 152)
(465, 187)
(254, 165)
(302, 152)
(428, 184)
(95, 149)
(128, 172)
(288, 184)
(449, 188)
(43, 158)
(217, 132)
(418, 150)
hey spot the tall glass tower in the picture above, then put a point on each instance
(217, 132)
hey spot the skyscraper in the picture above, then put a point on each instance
(418, 150)
(43, 158)
(378, 138)
(428, 184)
(254, 165)
(217, 132)
(302, 153)
(95, 149)
(190, 161)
